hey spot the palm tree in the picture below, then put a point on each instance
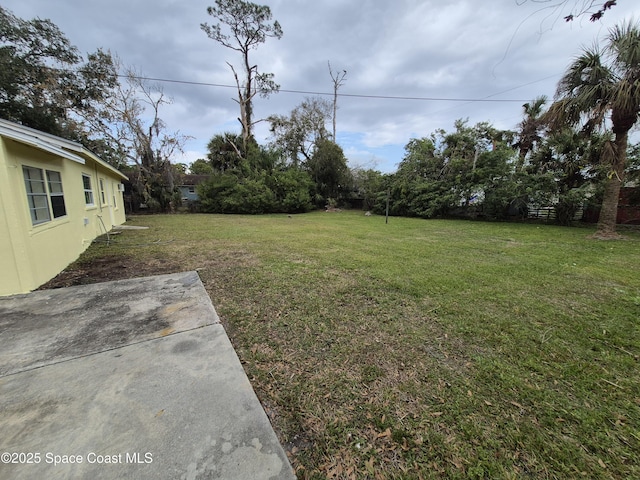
(601, 88)
(529, 128)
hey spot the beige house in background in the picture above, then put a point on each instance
(56, 197)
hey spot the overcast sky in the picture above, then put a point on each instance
(433, 51)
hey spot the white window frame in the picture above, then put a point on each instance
(113, 195)
(89, 199)
(39, 212)
(103, 196)
(56, 191)
(41, 187)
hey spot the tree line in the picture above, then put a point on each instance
(566, 153)
(576, 150)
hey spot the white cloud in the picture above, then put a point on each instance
(412, 48)
(190, 156)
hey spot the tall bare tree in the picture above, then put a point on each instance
(132, 121)
(338, 81)
(248, 25)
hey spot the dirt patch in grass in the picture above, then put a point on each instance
(110, 268)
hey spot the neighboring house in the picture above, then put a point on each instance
(628, 208)
(189, 184)
(56, 197)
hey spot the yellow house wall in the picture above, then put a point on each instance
(33, 254)
(10, 239)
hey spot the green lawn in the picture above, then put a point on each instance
(421, 349)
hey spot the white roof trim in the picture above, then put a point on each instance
(52, 144)
(38, 143)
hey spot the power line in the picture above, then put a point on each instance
(351, 95)
(447, 109)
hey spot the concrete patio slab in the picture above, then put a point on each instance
(128, 379)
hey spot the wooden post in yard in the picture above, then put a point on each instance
(386, 218)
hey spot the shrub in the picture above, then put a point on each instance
(292, 190)
(285, 191)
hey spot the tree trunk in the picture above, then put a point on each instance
(244, 101)
(335, 110)
(613, 183)
(247, 104)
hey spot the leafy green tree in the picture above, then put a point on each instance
(501, 194)
(461, 151)
(563, 169)
(214, 192)
(285, 191)
(226, 152)
(248, 25)
(291, 187)
(454, 173)
(44, 82)
(368, 184)
(262, 158)
(420, 186)
(478, 167)
(298, 134)
(251, 196)
(253, 183)
(603, 86)
(530, 129)
(329, 171)
(633, 158)
(201, 167)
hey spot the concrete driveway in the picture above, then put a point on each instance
(129, 379)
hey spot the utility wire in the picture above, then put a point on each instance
(352, 95)
(447, 109)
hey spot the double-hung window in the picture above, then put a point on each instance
(88, 191)
(56, 194)
(45, 196)
(113, 195)
(103, 196)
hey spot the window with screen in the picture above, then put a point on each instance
(88, 191)
(45, 196)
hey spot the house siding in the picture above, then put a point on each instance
(30, 255)
(9, 237)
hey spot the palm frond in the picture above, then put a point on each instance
(595, 118)
(608, 154)
(584, 92)
(623, 51)
(587, 76)
(623, 47)
(626, 96)
(534, 109)
(602, 84)
(562, 112)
